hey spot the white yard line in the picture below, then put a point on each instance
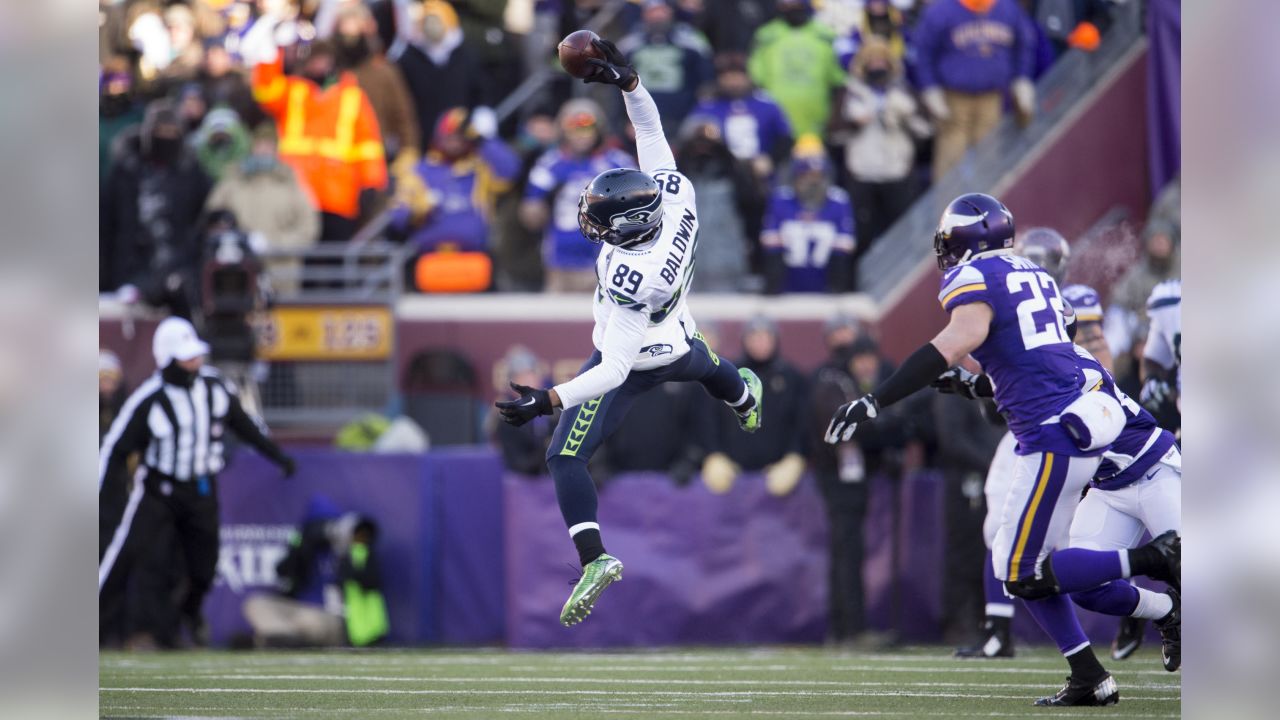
(958, 666)
(255, 677)
(575, 692)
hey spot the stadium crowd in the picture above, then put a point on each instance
(807, 126)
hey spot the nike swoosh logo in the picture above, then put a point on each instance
(1152, 473)
(528, 402)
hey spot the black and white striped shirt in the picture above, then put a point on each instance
(181, 431)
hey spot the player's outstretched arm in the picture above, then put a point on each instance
(622, 341)
(651, 142)
(966, 331)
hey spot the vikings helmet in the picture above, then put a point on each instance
(971, 224)
(1047, 248)
(621, 207)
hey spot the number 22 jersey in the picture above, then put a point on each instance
(1027, 354)
(654, 278)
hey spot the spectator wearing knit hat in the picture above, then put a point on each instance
(440, 70)
(885, 125)
(523, 448)
(359, 50)
(794, 60)
(969, 53)
(808, 239)
(267, 198)
(674, 59)
(777, 449)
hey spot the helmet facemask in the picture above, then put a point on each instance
(624, 230)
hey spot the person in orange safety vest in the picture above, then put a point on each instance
(328, 133)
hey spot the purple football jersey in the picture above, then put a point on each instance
(807, 238)
(1140, 445)
(1031, 363)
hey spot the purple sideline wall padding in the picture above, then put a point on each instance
(744, 567)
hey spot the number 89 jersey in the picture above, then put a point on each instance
(653, 278)
(1027, 354)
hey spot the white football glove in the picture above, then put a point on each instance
(1024, 96)
(484, 122)
(258, 46)
(847, 417)
(936, 102)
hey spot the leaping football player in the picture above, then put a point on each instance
(1008, 313)
(644, 335)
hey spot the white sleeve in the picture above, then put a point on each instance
(622, 341)
(651, 142)
(1158, 348)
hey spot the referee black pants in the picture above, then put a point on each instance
(157, 503)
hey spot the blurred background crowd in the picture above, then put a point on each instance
(449, 130)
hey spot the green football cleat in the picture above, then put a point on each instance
(596, 576)
(752, 421)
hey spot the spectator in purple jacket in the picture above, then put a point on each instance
(751, 123)
(461, 176)
(808, 237)
(969, 53)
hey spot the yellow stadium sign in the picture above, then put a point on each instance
(325, 333)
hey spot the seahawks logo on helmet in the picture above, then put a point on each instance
(622, 207)
(636, 218)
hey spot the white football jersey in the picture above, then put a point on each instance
(1164, 339)
(654, 278)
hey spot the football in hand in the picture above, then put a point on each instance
(574, 51)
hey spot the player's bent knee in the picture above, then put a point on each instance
(1035, 588)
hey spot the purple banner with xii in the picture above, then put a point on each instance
(440, 543)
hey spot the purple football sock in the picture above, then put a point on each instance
(998, 603)
(1058, 618)
(1076, 569)
(1118, 597)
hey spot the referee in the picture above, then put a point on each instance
(177, 419)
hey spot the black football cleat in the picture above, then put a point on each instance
(996, 641)
(1084, 694)
(1170, 627)
(1169, 545)
(1129, 638)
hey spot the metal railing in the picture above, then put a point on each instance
(903, 247)
(366, 270)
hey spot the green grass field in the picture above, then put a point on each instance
(693, 683)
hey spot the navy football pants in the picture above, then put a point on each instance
(581, 429)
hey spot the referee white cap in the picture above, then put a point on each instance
(176, 339)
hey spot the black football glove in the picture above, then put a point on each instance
(847, 417)
(614, 69)
(531, 403)
(1155, 392)
(958, 381)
